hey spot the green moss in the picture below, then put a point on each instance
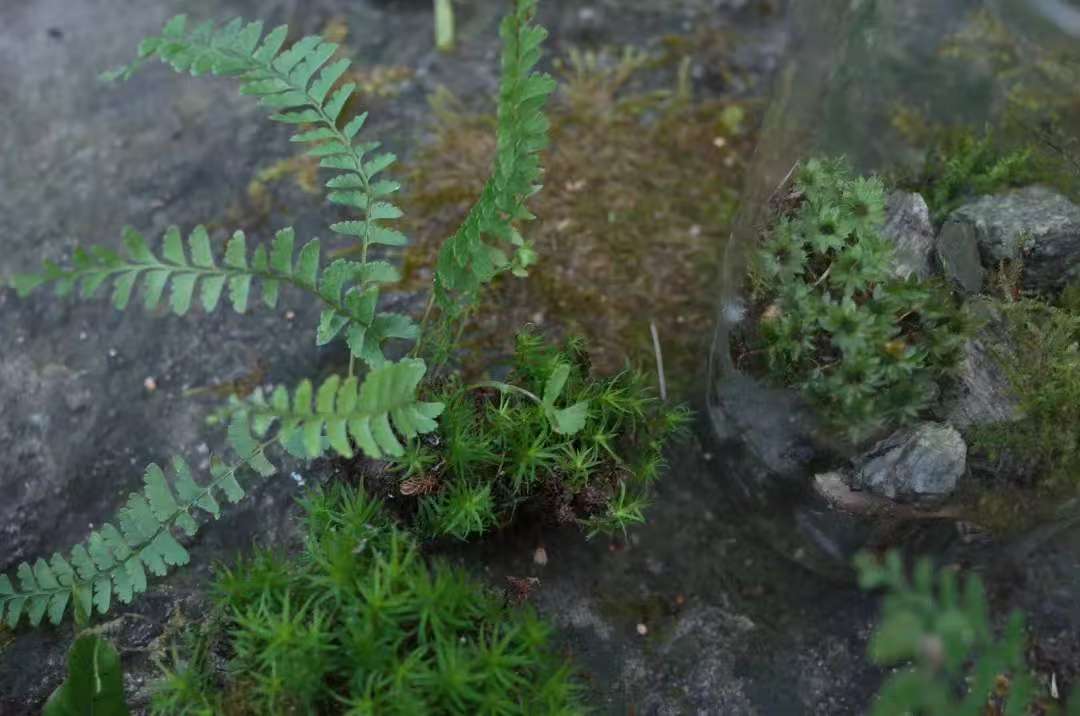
(864, 347)
(1035, 135)
(361, 623)
(961, 164)
(554, 436)
(1043, 368)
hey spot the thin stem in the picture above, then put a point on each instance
(505, 388)
(423, 325)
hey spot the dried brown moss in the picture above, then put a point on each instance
(639, 190)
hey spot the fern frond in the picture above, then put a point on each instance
(112, 564)
(300, 85)
(311, 420)
(348, 289)
(475, 253)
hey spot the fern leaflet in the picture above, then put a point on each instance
(348, 289)
(342, 408)
(112, 563)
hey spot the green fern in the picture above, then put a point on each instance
(343, 408)
(113, 562)
(348, 289)
(475, 253)
(298, 85)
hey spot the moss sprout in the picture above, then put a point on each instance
(361, 623)
(583, 449)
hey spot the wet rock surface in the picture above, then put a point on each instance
(957, 252)
(1034, 225)
(909, 229)
(919, 464)
(777, 428)
(980, 393)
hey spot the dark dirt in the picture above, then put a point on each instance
(731, 626)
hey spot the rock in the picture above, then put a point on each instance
(780, 433)
(957, 251)
(909, 229)
(920, 464)
(1034, 225)
(980, 394)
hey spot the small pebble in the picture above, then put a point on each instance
(150, 384)
(642, 629)
(540, 556)
(112, 353)
(289, 315)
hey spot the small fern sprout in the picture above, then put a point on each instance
(487, 243)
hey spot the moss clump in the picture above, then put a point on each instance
(583, 449)
(961, 164)
(639, 187)
(864, 346)
(1043, 368)
(1036, 134)
(360, 623)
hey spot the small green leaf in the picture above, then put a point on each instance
(240, 440)
(556, 381)
(307, 269)
(569, 421)
(236, 251)
(173, 247)
(95, 682)
(199, 242)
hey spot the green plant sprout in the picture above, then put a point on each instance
(938, 633)
(503, 445)
(444, 25)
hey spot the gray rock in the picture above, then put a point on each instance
(780, 433)
(1034, 225)
(909, 229)
(957, 251)
(980, 394)
(920, 464)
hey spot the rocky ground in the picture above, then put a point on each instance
(706, 609)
